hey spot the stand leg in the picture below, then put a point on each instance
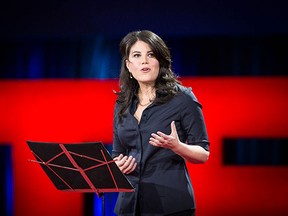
(103, 204)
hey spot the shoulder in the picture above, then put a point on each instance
(117, 106)
(117, 109)
(187, 96)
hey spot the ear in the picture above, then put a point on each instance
(127, 64)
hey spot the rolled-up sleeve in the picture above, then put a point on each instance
(193, 121)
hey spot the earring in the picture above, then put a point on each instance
(131, 77)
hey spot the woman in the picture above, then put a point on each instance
(158, 125)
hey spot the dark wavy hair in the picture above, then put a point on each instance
(166, 81)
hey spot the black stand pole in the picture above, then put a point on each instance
(103, 203)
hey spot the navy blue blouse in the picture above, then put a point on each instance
(161, 180)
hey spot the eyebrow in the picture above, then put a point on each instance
(140, 52)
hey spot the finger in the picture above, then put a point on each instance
(130, 163)
(133, 168)
(155, 136)
(129, 168)
(155, 142)
(173, 128)
(119, 157)
(128, 160)
(162, 136)
(117, 160)
(152, 142)
(122, 161)
(159, 137)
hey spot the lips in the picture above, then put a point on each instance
(146, 69)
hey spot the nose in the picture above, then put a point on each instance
(144, 60)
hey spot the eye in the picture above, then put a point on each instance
(136, 55)
(151, 55)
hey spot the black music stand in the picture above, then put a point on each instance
(80, 167)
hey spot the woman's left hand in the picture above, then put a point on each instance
(192, 153)
(165, 141)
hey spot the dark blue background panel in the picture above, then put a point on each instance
(168, 18)
(6, 180)
(98, 57)
(255, 152)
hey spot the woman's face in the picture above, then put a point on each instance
(142, 63)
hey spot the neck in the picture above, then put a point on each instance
(146, 95)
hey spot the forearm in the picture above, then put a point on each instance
(192, 153)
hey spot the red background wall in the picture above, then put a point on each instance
(82, 110)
